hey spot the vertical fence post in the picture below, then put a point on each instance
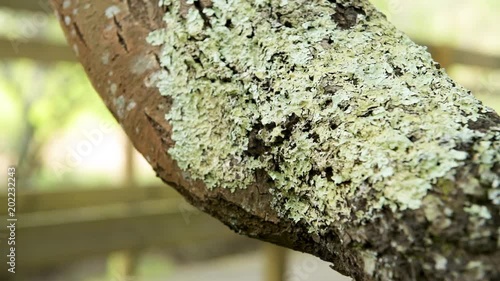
(275, 265)
(128, 259)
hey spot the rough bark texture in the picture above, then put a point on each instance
(450, 232)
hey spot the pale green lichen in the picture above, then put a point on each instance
(119, 104)
(371, 122)
(440, 262)
(112, 11)
(478, 269)
(369, 262)
(66, 4)
(480, 211)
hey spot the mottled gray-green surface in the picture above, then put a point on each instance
(347, 117)
(337, 109)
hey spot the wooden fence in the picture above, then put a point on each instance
(57, 227)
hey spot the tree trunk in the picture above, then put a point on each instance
(314, 125)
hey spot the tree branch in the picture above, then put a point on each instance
(333, 134)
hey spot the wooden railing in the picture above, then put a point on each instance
(58, 227)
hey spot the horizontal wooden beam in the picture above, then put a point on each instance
(53, 238)
(27, 5)
(447, 56)
(476, 59)
(39, 51)
(69, 198)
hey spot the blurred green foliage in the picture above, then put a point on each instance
(37, 101)
(472, 24)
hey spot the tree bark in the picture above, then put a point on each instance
(388, 177)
